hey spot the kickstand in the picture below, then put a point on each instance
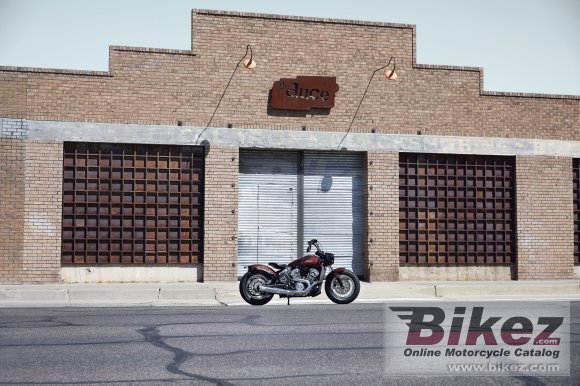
(288, 300)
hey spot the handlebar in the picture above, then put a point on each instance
(311, 243)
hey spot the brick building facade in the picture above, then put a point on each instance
(490, 194)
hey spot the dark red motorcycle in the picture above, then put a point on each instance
(302, 277)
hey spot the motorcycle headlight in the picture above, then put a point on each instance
(328, 258)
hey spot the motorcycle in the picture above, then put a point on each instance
(302, 277)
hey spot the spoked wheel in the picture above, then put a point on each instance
(343, 291)
(249, 289)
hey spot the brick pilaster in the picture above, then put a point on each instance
(220, 214)
(11, 209)
(544, 217)
(382, 251)
(41, 254)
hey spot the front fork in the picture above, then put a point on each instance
(336, 273)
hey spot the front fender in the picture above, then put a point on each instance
(261, 268)
(336, 272)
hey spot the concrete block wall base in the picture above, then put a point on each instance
(382, 275)
(131, 274)
(443, 273)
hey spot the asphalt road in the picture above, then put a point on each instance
(300, 344)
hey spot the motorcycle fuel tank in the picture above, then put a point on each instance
(311, 261)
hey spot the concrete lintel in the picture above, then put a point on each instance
(293, 139)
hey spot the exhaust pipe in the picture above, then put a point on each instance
(282, 291)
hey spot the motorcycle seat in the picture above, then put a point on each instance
(277, 266)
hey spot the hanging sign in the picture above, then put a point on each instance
(304, 93)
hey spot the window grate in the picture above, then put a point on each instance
(132, 204)
(576, 182)
(456, 209)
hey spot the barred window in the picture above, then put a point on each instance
(132, 204)
(576, 170)
(456, 209)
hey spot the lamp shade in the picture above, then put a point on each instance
(250, 64)
(391, 75)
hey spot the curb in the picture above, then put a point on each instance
(226, 293)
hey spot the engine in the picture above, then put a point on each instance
(294, 278)
(313, 275)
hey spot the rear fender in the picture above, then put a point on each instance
(262, 268)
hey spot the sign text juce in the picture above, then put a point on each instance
(304, 93)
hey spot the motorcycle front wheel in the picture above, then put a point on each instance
(249, 289)
(345, 293)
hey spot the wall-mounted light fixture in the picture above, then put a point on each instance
(250, 64)
(389, 74)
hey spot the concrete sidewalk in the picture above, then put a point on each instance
(226, 293)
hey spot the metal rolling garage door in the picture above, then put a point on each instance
(267, 208)
(334, 205)
(288, 198)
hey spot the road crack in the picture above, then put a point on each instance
(180, 357)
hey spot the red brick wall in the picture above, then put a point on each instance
(11, 209)
(30, 211)
(166, 86)
(156, 86)
(220, 214)
(382, 256)
(13, 94)
(42, 212)
(545, 223)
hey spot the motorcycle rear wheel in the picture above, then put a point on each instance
(249, 291)
(346, 293)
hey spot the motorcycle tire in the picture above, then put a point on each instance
(248, 291)
(345, 294)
